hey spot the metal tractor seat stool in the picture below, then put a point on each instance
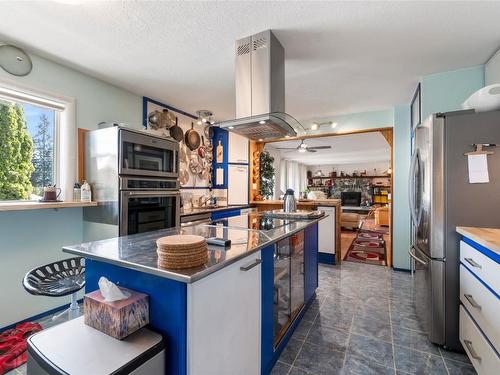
(61, 278)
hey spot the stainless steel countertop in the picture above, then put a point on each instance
(138, 251)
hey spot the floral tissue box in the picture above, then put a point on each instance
(119, 318)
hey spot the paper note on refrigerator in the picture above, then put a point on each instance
(478, 169)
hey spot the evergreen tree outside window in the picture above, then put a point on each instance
(27, 150)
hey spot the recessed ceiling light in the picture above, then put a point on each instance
(333, 125)
(199, 122)
(262, 122)
(260, 139)
(287, 136)
(314, 126)
(301, 149)
(230, 127)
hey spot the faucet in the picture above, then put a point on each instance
(204, 199)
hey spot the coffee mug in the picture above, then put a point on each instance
(51, 193)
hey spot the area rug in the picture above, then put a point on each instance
(367, 247)
(13, 345)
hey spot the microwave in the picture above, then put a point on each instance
(146, 155)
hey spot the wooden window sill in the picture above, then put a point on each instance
(33, 205)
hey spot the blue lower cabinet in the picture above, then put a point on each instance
(226, 213)
(310, 261)
(167, 306)
(269, 354)
(267, 305)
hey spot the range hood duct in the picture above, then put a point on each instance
(260, 90)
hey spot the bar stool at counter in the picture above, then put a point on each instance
(61, 278)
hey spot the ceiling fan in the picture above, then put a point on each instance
(303, 147)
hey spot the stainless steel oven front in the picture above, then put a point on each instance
(147, 210)
(147, 155)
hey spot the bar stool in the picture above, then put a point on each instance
(61, 278)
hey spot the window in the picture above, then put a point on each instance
(28, 145)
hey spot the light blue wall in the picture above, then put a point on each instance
(401, 164)
(360, 121)
(96, 100)
(446, 91)
(32, 238)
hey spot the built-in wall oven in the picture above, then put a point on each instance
(148, 204)
(134, 180)
(145, 155)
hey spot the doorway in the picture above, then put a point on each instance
(354, 168)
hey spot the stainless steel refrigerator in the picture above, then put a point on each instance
(441, 198)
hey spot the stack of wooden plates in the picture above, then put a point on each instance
(182, 251)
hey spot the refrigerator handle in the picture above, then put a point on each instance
(412, 254)
(411, 187)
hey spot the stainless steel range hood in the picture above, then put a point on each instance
(260, 90)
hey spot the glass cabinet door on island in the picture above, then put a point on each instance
(288, 283)
(281, 289)
(297, 273)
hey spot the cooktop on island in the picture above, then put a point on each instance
(256, 221)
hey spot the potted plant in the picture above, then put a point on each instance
(266, 175)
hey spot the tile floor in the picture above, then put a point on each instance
(363, 322)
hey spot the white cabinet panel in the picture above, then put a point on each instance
(482, 305)
(327, 231)
(237, 184)
(479, 351)
(238, 148)
(482, 266)
(224, 316)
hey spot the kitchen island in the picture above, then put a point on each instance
(329, 229)
(235, 314)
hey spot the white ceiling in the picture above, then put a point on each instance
(342, 57)
(345, 149)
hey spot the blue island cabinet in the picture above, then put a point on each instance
(269, 352)
(222, 323)
(210, 326)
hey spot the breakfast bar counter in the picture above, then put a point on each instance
(210, 316)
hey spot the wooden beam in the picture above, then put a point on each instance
(387, 134)
(81, 154)
(255, 149)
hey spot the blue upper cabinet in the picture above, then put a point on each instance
(221, 137)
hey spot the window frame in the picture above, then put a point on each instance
(65, 145)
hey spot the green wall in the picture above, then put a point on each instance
(33, 238)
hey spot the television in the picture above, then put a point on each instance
(351, 198)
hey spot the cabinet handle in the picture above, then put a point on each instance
(473, 353)
(472, 301)
(473, 263)
(250, 266)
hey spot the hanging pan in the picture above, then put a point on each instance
(176, 132)
(192, 138)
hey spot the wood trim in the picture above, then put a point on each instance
(322, 135)
(254, 177)
(33, 205)
(81, 154)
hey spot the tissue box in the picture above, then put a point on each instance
(117, 319)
